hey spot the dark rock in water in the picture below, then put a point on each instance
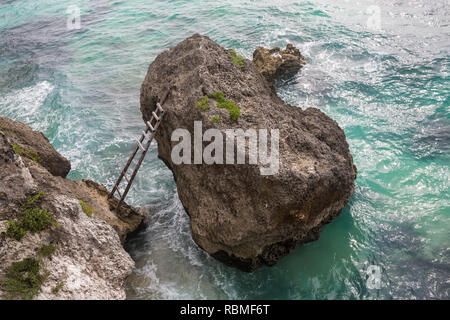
(275, 63)
(35, 146)
(245, 214)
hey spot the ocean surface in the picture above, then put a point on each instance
(379, 68)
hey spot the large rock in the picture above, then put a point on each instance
(238, 215)
(35, 146)
(89, 262)
(275, 63)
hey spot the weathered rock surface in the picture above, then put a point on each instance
(35, 145)
(237, 215)
(89, 262)
(275, 63)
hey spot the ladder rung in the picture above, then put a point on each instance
(140, 145)
(158, 106)
(126, 178)
(149, 125)
(146, 135)
(155, 116)
(117, 189)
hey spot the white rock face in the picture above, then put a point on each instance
(89, 262)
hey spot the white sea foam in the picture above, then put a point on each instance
(23, 104)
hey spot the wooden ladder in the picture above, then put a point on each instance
(148, 134)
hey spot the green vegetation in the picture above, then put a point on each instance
(15, 231)
(35, 219)
(218, 96)
(203, 103)
(5, 132)
(86, 209)
(234, 113)
(23, 279)
(31, 200)
(47, 250)
(229, 105)
(58, 287)
(232, 108)
(238, 60)
(216, 119)
(26, 153)
(31, 219)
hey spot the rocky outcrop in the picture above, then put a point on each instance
(275, 63)
(239, 213)
(64, 227)
(35, 146)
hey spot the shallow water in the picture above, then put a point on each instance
(387, 85)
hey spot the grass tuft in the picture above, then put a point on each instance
(203, 103)
(58, 287)
(238, 60)
(216, 119)
(86, 209)
(36, 197)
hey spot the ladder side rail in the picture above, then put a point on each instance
(136, 169)
(125, 169)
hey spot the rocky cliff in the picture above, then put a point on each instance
(58, 237)
(246, 215)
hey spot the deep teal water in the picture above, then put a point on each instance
(388, 89)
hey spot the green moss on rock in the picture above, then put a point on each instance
(86, 209)
(238, 60)
(58, 287)
(47, 250)
(235, 112)
(216, 119)
(31, 219)
(26, 153)
(5, 132)
(218, 96)
(15, 231)
(203, 103)
(229, 105)
(31, 200)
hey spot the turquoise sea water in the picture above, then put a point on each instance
(386, 84)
